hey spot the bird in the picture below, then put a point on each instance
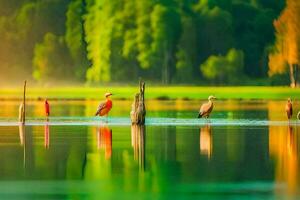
(289, 109)
(206, 108)
(47, 108)
(105, 107)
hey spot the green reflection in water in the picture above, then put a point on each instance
(164, 162)
(65, 162)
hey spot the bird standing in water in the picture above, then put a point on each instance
(47, 108)
(105, 107)
(207, 108)
(289, 109)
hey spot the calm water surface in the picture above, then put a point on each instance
(246, 151)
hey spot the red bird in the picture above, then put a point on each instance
(47, 108)
(105, 107)
(289, 108)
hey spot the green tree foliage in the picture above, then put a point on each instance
(224, 69)
(215, 30)
(254, 33)
(9, 7)
(165, 23)
(22, 26)
(186, 55)
(98, 28)
(144, 39)
(51, 61)
(120, 40)
(75, 37)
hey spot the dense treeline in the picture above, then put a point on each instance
(165, 41)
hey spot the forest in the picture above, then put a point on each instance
(201, 42)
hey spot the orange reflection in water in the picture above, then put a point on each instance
(283, 146)
(206, 140)
(104, 140)
(46, 136)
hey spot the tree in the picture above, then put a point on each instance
(51, 60)
(186, 55)
(98, 27)
(215, 32)
(143, 33)
(75, 37)
(165, 23)
(286, 49)
(224, 69)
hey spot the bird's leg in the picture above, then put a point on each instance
(206, 118)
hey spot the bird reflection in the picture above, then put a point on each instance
(292, 160)
(206, 140)
(138, 144)
(104, 140)
(284, 147)
(292, 147)
(46, 135)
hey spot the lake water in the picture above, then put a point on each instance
(247, 150)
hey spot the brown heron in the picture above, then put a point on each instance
(47, 108)
(105, 107)
(207, 108)
(289, 108)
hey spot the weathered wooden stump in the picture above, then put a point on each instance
(23, 106)
(138, 111)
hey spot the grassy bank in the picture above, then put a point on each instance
(171, 92)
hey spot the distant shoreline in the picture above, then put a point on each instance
(152, 93)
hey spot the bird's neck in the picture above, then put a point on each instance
(108, 102)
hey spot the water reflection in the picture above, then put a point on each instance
(138, 144)
(284, 147)
(291, 168)
(206, 141)
(26, 141)
(21, 133)
(22, 137)
(46, 136)
(104, 140)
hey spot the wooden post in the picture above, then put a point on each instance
(22, 106)
(138, 111)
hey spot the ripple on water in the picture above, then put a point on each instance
(123, 121)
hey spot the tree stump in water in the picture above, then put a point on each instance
(138, 110)
(22, 106)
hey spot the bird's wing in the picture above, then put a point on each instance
(100, 107)
(289, 109)
(204, 108)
